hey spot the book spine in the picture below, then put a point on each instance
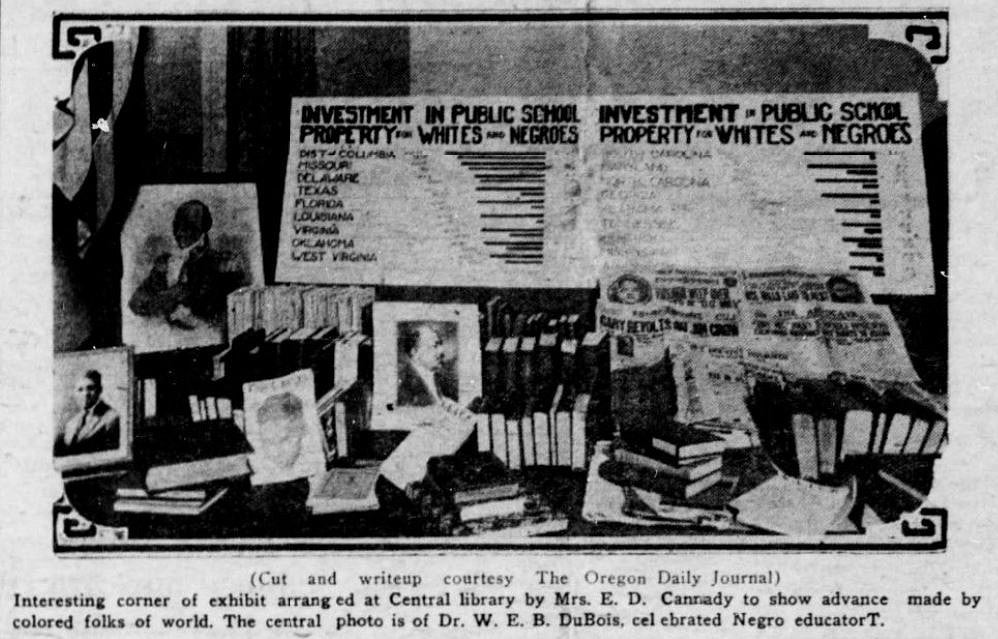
(542, 439)
(916, 437)
(856, 433)
(483, 432)
(563, 437)
(497, 422)
(552, 428)
(897, 434)
(827, 445)
(196, 472)
(805, 442)
(149, 397)
(224, 408)
(878, 434)
(936, 438)
(579, 419)
(513, 442)
(342, 432)
(527, 432)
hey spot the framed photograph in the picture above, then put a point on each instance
(92, 408)
(185, 247)
(282, 425)
(424, 355)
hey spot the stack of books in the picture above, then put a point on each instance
(134, 498)
(182, 467)
(678, 462)
(178, 453)
(480, 495)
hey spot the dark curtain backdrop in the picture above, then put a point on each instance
(87, 312)
(267, 67)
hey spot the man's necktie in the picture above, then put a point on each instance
(79, 429)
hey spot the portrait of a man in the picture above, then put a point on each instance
(92, 408)
(629, 289)
(95, 427)
(282, 429)
(185, 247)
(189, 284)
(282, 426)
(843, 290)
(426, 363)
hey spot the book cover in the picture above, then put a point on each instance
(650, 458)
(625, 474)
(196, 472)
(282, 425)
(160, 506)
(682, 442)
(472, 478)
(492, 508)
(176, 452)
(342, 490)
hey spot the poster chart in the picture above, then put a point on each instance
(544, 191)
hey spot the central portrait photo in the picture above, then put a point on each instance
(425, 355)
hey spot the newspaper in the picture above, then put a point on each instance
(750, 269)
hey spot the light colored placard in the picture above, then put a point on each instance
(375, 195)
(532, 191)
(819, 181)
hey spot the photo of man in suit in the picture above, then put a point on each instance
(188, 286)
(425, 364)
(96, 427)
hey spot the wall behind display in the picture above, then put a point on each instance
(216, 99)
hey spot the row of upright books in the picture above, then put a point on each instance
(502, 319)
(336, 359)
(347, 308)
(812, 427)
(545, 397)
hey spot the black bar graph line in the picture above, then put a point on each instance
(841, 166)
(531, 189)
(496, 215)
(488, 154)
(869, 154)
(877, 255)
(847, 180)
(510, 201)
